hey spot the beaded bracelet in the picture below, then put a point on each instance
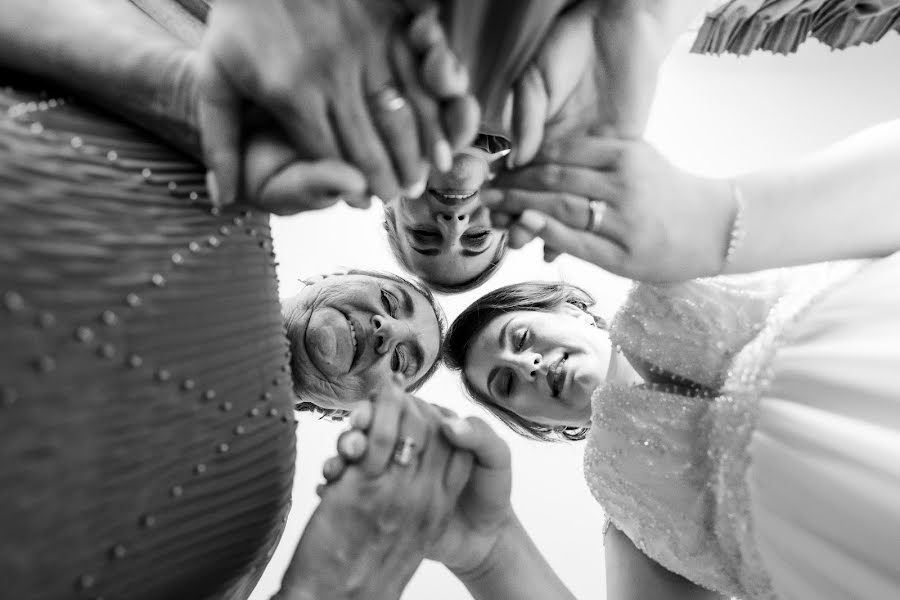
(738, 233)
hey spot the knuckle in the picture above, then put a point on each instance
(551, 176)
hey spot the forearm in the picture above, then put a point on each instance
(110, 53)
(339, 558)
(514, 570)
(842, 203)
(632, 575)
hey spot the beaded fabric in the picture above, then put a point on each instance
(668, 461)
(145, 397)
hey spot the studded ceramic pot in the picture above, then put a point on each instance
(146, 434)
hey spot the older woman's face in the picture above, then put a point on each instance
(350, 334)
(543, 366)
(446, 234)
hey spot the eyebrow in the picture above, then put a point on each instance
(501, 341)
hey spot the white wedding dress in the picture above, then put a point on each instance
(764, 459)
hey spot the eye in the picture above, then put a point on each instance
(520, 341)
(389, 302)
(508, 384)
(425, 235)
(475, 238)
(398, 361)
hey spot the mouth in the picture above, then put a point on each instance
(354, 340)
(556, 375)
(452, 197)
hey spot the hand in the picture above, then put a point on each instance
(374, 524)
(483, 509)
(595, 73)
(277, 180)
(322, 70)
(660, 223)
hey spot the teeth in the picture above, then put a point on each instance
(352, 335)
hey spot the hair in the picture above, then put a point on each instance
(390, 225)
(538, 296)
(338, 414)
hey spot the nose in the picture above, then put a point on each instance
(526, 364)
(452, 223)
(388, 333)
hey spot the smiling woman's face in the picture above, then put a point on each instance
(446, 235)
(541, 365)
(349, 334)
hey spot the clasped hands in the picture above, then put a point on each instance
(410, 481)
(346, 99)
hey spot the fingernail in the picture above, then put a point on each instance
(355, 445)
(533, 221)
(417, 189)
(511, 159)
(212, 188)
(443, 156)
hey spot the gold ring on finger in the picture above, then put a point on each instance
(388, 99)
(404, 451)
(596, 212)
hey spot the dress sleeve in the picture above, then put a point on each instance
(689, 332)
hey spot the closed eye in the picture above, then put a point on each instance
(389, 302)
(520, 341)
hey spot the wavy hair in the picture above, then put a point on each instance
(538, 296)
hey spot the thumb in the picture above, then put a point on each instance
(303, 186)
(473, 434)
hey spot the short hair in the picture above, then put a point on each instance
(337, 414)
(535, 296)
(390, 225)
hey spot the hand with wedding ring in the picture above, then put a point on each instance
(483, 509)
(618, 204)
(377, 520)
(366, 83)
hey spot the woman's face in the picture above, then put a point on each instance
(446, 234)
(543, 366)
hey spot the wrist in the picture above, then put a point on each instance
(720, 209)
(496, 556)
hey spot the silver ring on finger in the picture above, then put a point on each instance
(388, 99)
(404, 452)
(596, 212)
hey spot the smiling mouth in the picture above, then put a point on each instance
(357, 348)
(452, 197)
(556, 375)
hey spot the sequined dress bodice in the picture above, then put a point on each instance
(146, 431)
(667, 459)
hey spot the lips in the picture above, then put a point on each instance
(556, 375)
(452, 197)
(357, 336)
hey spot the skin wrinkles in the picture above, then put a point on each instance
(395, 329)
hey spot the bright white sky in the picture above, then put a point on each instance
(714, 116)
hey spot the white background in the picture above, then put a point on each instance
(714, 116)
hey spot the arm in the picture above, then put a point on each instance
(662, 224)
(632, 575)
(841, 203)
(109, 52)
(515, 569)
